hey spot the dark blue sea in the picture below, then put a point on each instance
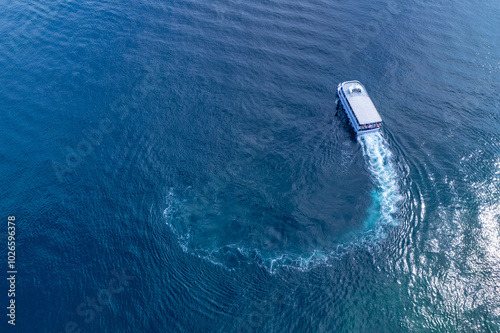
(179, 166)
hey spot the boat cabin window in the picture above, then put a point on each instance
(355, 88)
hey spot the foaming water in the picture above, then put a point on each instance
(386, 195)
(231, 256)
(230, 241)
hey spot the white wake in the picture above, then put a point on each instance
(386, 196)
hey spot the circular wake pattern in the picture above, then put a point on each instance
(238, 239)
(233, 222)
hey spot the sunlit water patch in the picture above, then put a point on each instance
(488, 194)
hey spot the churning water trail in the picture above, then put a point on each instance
(386, 195)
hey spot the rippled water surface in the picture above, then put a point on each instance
(195, 149)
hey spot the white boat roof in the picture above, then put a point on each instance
(360, 102)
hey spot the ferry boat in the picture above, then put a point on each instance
(354, 100)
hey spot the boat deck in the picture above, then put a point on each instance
(360, 103)
(360, 109)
